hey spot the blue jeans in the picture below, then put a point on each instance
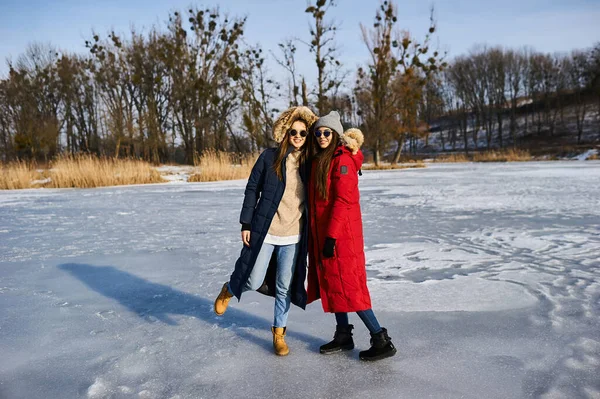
(286, 265)
(367, 316)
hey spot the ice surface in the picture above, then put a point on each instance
(487, 277)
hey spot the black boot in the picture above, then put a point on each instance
(342, 340)
(381, 347)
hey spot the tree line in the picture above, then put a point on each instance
(495, 93)
(195, 85)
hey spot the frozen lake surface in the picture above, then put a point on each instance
(487, 277)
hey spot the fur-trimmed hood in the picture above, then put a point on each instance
(353, 139)
(287, 119)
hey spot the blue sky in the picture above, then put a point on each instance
(548, 26)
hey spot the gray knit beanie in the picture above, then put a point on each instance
(332, 121)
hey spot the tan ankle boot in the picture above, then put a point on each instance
(222, 300)
(281, 348)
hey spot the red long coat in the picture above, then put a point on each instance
(341, 281)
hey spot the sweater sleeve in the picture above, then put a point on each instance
(253, 190)
(344, 182)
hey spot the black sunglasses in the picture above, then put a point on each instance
(293, 133)
(325, 133)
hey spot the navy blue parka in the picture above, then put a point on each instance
(261, 199)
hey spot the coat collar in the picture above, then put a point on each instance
(290, 149)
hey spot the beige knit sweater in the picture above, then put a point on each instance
(288, 218)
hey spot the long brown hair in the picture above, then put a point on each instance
(323, 159)
(285, 145)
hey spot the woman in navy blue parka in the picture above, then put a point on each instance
(274, 224)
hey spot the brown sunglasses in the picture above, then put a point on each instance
(293, 133)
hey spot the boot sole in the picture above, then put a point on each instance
(222, 313)
(382, 356)
(341, 349)
(217, 313)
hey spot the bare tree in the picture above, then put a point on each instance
(577, 67)
(288, 62)
(514, 69)
(112, 78)
(594, 77)
(418, 65)
(459, 79)
(374, 97)
(6, 136)
(204, 70)
(322, 45)
(33, 90)
(497, 91)
(258, 92)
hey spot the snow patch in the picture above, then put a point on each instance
(586, 155)
(100, 389)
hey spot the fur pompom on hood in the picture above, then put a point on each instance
(287, 119)
(353, 139)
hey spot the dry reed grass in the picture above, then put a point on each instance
(87, 171)
(216, 165)
(452, 158)
(508, 155)
(81, 171)
(387, 166)
(18, 175)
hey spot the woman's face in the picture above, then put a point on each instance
(297, 134)
(324, 136)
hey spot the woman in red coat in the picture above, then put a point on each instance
(336, 271)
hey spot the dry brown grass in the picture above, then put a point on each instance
(593, 157)
(387, 166)
(215, 166)
(18, 175)
(82, 171)
(452, 158)
(509, 155)
(86, 171)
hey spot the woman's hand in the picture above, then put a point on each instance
(246, 237)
